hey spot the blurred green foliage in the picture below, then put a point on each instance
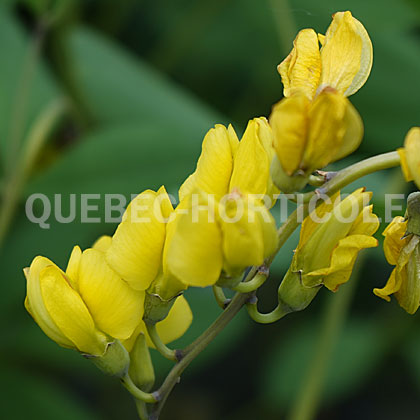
(145, 80)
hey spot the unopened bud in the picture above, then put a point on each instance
(141, 367)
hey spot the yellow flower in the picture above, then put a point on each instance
(327, 250)
(316, 124)
(227, 164)
(343, 63)
(207, 236)
(221, 223)
(309, 135)
(86, 307)
(403, 252)
(410, 156)
(135, 252)
(180, 316)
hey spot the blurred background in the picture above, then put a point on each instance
(115, 97)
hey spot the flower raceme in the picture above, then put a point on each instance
(315, 124)
(410, 156)
(232, 228)
(330, 240)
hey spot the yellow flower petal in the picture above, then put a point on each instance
(215, 165)
(289, 121)
(393, 243)
(326, 130)
(300, 71)
(315, 253)
(115, 307)
(171, 328)
(34, 302)
(251, 167)
(136, 249)
(412, 147)
(243, 244)
(353, 134)
(193, 249)
(69, 313)
(392, 286)
(342, 262)
(346, 55)
(176, 323)
(103, 243)
(72, 270)
(404, 165)
(367, 223)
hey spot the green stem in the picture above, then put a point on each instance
(142, 410)
(305, 406)
(252, 285)
(14, 185)
(137, 393)
(221, 299)
(354, 172)
(160, 346)
(238, 301)
(268, 318)
(195, 349)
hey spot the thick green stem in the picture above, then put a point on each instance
(195, 349)
(160, 347)
(354, 172)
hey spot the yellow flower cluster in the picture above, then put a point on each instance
(315, 124)
(222, 224)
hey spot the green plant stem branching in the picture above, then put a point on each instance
(186, 356)
(220, 297)
(164, 350)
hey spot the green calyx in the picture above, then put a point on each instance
(413, 214)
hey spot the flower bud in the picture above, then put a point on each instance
(141, 367)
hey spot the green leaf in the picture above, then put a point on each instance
(41, 89)
(119, 87)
